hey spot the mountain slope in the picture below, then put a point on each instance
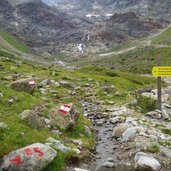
(156, 8)
(53, 28)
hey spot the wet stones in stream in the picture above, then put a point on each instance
(116, 153)
(105, 157)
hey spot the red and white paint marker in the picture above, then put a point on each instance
(65, 109)
(32, 82)
(29, 152)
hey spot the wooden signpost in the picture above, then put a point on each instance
(160, 71)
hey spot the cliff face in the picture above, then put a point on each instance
(53, 26)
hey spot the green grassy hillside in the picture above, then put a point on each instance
(164, 38)
(140, 60)
(9, 39)
(20, 134)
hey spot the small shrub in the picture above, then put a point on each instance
(147, 104)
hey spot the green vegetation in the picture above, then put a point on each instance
(7, 53)
(153, 148)
(166, 131)
(13, 41)
(165, 143)
(20, 134)
(145, 103)
(122, 81)
(164, 38)
(124, 46)
(140, 60)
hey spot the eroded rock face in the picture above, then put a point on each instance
(144, 162)
(35, 157)
(27, 85)
(64, 116)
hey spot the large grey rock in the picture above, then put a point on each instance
(58, 145)
(35, 157)
(27, 85)
(33, 119)
(119, 130)
(144, 162)
(129, 134)
(64, 117)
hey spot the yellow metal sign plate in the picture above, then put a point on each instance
(162, 71)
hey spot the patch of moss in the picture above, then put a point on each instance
(153, 148)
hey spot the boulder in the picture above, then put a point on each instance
(33, 119)
(144, 162)
(129, 134)
(33, 157)
(64, 117)
(58, 145)
(119, 130)
(27, 85)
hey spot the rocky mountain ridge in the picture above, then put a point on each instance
(51, 29)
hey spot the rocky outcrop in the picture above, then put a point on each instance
(69, 25)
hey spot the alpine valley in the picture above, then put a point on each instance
(76, 86)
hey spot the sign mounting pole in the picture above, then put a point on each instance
(159, 85)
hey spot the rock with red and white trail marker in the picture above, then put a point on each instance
(35, 157)
(27, 85)
(64, 116)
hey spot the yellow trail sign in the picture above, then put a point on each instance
(162, 71)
